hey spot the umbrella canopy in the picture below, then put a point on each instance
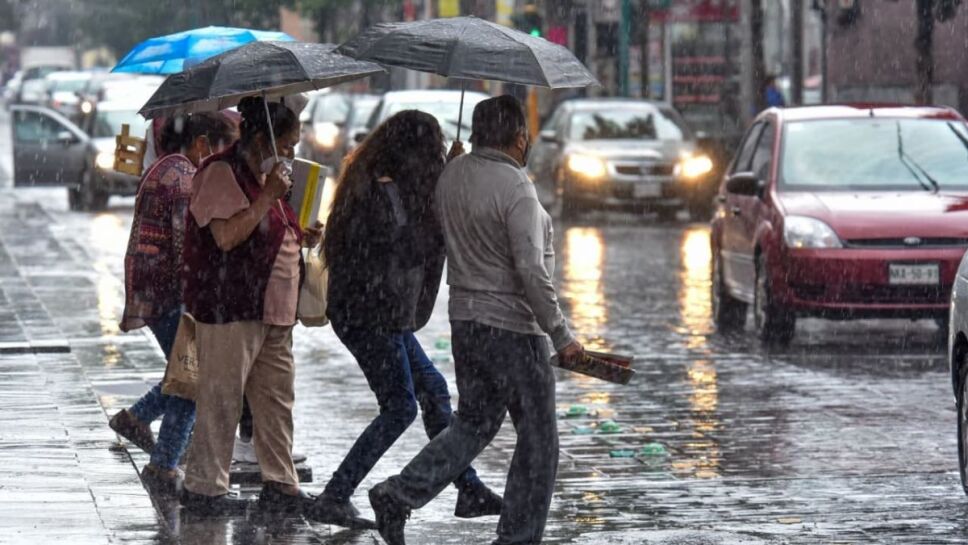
(470, 48)
(269, 69)
(175, 52)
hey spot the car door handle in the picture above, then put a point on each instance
(736, 211)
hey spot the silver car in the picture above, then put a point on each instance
(626, 154)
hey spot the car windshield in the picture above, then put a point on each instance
(446, 112)
(331, 108)
(68, 85)
(626, 124)
(361, 112)
(875, 154)
(108, 123)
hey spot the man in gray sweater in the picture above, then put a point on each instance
(500, 262)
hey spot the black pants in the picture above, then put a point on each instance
(245, 422)
(498, 372)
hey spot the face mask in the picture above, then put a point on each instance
(270, 162)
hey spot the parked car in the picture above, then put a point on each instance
(442, 104)
(49, 149)
(633, 155)
(33, 86)
(958, 363)
(841, 212)
(63, 91)
(322, 119)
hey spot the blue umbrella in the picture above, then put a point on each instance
(175, 52)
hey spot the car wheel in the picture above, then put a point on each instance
(962, 406)
(86, 197)
(729, 313)
(774, 324)
(564, 207)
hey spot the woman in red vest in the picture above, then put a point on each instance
(242, 275)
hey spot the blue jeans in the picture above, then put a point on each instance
(179, 413)
(401, 375)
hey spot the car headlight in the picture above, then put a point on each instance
(803, 232)
(325, 134)
(691, 166)
(586, 165)
(105, 160)
(87, 107)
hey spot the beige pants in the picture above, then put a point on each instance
(239, 358)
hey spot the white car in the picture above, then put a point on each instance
(958, 362)
(442, 104)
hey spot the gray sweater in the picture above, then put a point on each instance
(500, 253)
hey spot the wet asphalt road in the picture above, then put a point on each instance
(845, 437)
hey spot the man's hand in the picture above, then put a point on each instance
(572, 353)
(312, 235)
(456, 150)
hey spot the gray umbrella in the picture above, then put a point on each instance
(470, 48)
(267, 69)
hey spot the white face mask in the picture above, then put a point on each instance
(270, 162)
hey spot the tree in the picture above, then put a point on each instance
(929, 11)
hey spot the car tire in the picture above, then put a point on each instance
(774, 324)
(961, 403)
(668, 214)
(729, 313)
(564, 207)
(85, 197)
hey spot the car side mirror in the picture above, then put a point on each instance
(359, 137)
(65, 138)
(548, 136)
(745, 183)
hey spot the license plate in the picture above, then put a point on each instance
(914, 274)
(646, 190)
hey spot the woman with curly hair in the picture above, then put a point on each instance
(385, 253)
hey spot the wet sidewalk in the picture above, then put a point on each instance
(60, 477)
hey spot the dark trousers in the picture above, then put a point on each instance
(402, 376)
(498, 371)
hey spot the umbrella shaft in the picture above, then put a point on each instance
(460, 112)
(272, 134)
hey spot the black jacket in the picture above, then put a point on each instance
(386, 270)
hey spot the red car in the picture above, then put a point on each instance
(841, 212)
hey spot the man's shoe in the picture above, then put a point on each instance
(128, 426)
(391, 517)
(243, 452)
(213, 506)
(162, 482)
(272, 499)
(477, 500)
(340, 513)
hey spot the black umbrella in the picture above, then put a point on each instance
(267, 69)
(470, 48)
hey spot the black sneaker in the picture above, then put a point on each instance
(391, 517)
(272, 499)
(328, 510)
(128, 426)
(477, 500)
(213, 506)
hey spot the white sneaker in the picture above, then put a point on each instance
(243, 452)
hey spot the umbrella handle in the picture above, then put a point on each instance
(272, 136)
(460, 113)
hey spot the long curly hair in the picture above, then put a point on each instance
(409, 148)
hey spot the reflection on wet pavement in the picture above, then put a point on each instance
(844, 437)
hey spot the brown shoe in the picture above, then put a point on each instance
(126, 425)
(162, 482)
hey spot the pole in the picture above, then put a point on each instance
(625, 27)
(824, 86)
(272, 135)
(460, 113)
(796, 20)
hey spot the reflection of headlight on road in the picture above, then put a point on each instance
(105, 160)
(691, 167)
(804, 232)
(326, 134)
(586, 165)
